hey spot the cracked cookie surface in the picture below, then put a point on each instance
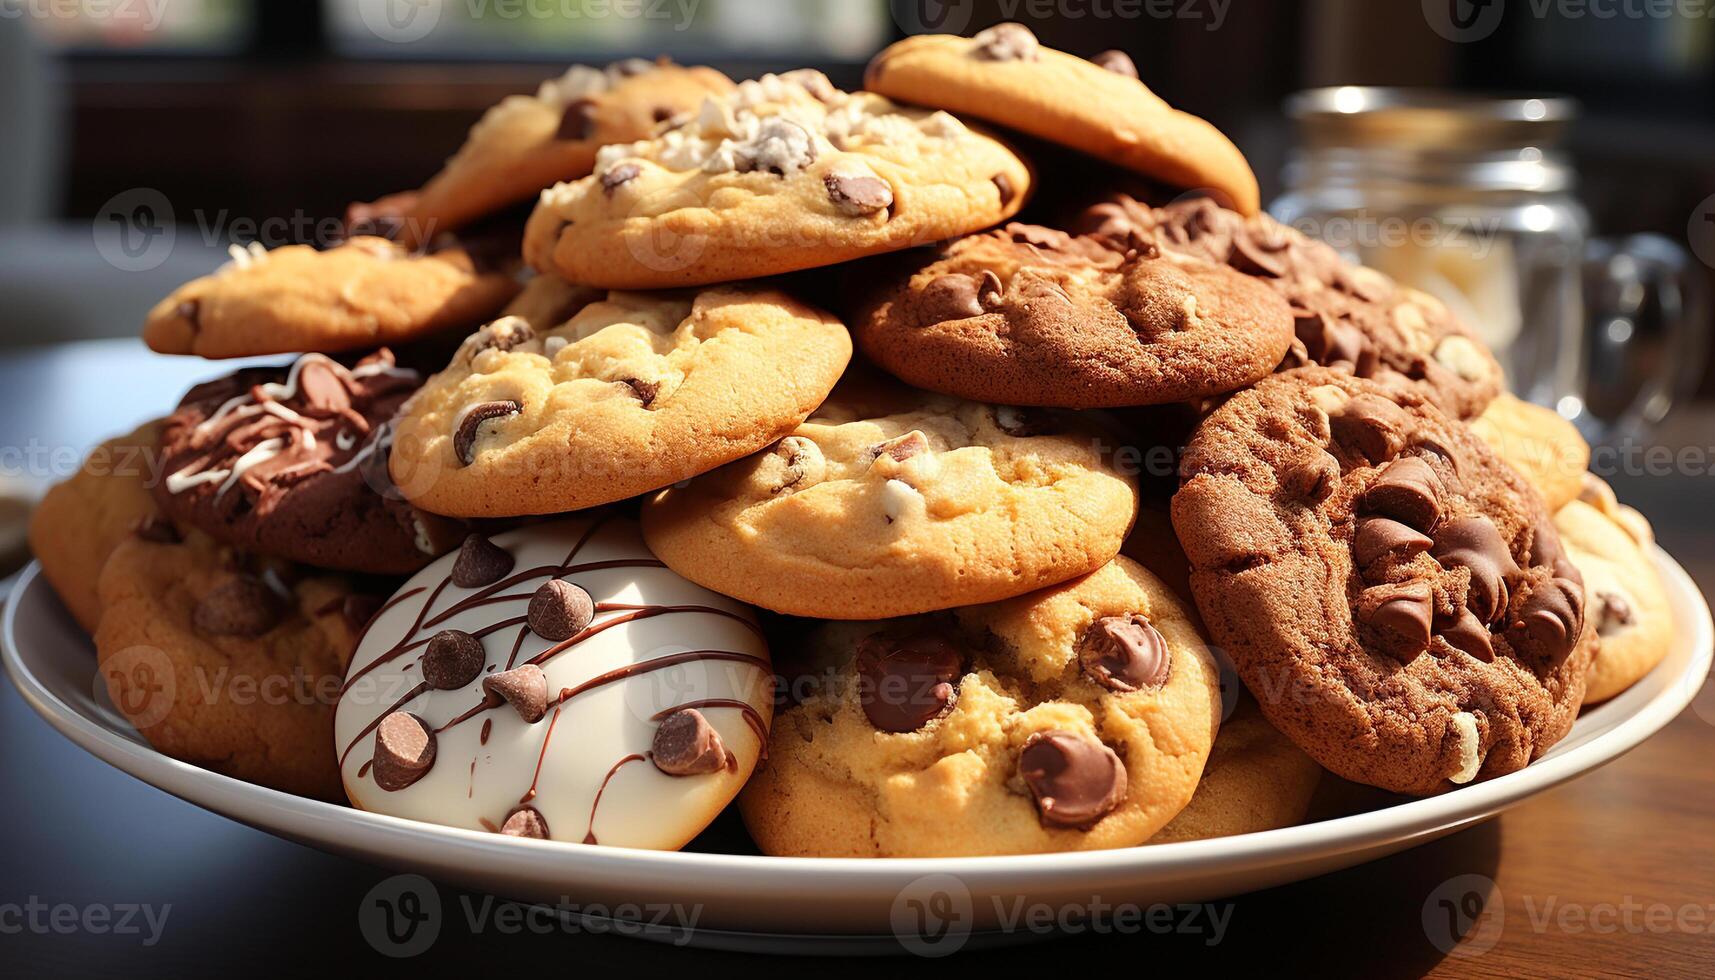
(1096, 106)
(787, 173)
(1074, 718)
(1028, 315)
(633, 392)
(937, 503)
(1345, 315)
(1394, 595)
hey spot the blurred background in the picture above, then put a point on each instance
(141, 136)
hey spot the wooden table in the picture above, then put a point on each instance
(1613, 874)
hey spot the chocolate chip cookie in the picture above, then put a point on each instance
(891, 502)
(530, 142)
(787, 173)
(292, 462)
(1395, 596)
(633, 392)
(1028, 315)
(1627, 604)
(1074, 718)
(83, 518)
(363, 293)
(1539, 443)
(1096, 106)
(1255, 780)
(227, 661)
(1346, 315)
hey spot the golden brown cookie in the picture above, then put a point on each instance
(1098, 107)
(1539, 443)
(1393, 594)
(1596, 492)
(1628, 608)
(530, 142)
(82, 519)
(229, 662)
(632, 393)
(1255, 780)
(1074, 718)
(890, 502)
(1028, 315)
(366, 292)
(787, 173)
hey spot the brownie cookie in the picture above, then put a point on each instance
(363, 293)
(530, 142)
(1394, 595)
(1255, 780)
(787, 173)
(890, 502)
(292, 462)
(1028, 315)
(1626, 601)
(1098, 107)
(229, 662)
(1539, 443)
(630, 394)
(1346, 315)
(83, 518)
(556, 682)
(1075, 718)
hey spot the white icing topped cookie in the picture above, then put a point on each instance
(559, 682)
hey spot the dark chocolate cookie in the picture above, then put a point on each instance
(1346, 315)
(292, 462)
(1393, 594)
(1028, 315)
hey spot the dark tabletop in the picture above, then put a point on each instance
(102, 875)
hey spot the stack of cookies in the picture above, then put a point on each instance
(972, 591)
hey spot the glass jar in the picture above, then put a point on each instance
(1472, 200)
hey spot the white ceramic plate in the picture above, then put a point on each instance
(747, 901)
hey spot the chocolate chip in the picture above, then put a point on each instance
(503, 335)
(1470, 635)
(1378, 537)
(956, 296)
(904, 682)
(1400, 616)
(1259, 256)
(685, 744)
(404, 751)
(1007, 42)
(1075, 780)
(1116, 61)
(644, 390)
(660, 113)
(319, 387)
(1548, 621)
(464, 437)
(620, 174)
(1124, 653)
(902, 448)
(480, 562)
(1311, 478)
(240, 606)
(452, 659)
(1475, 543)
(191, 309)
(525, 688)
(1615, 612)
(157, 529)
(525, 821)
(578, 121)
(1330, 341)
(858, 196)
(1545, 551)
(1003, 184)
(1409, 491)
(559, 610)
(1369, 425)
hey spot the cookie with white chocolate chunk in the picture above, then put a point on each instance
(1393, 594)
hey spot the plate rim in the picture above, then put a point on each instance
(819, 875)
